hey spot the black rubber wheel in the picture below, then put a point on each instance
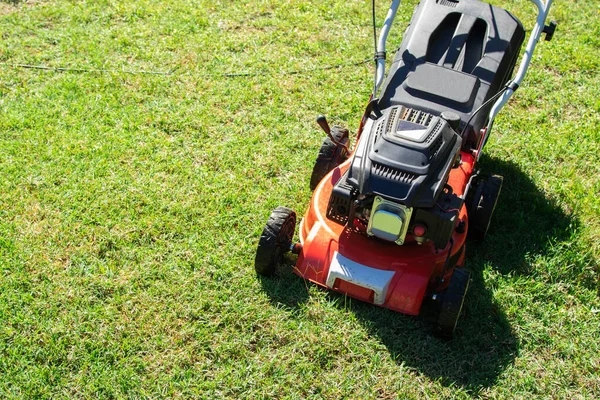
(330, 155)
(452, 303)
(482, 206)
(275, 241)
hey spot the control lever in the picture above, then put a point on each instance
(322, 121)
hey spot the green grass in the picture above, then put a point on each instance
(131, 205)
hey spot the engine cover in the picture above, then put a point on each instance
(406, 157)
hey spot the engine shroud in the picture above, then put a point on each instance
(406, 157)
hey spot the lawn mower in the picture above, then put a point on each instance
(389, 218)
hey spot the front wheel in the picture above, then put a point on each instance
(275, 240)
(452, 303)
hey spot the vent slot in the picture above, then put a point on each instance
(434, 132)
(417, 117)
(447, 3)
(391, 119)
(392, 173)
(378, 131)
(436, 147)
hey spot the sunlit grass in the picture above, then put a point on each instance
(132, 203)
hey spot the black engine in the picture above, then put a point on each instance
(406, 158)
(397, 179)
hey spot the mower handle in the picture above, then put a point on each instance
(540, 27)
(380, 54)
(511, 87)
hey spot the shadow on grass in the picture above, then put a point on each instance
(524, 225)
(530, 235)
(285, 289)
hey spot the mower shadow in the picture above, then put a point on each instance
(286, 289)
(524, 224)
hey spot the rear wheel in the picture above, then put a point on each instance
(483, 206)
(275, 240)
(452, 303)
(330, 155)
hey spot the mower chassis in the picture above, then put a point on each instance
(345, 259)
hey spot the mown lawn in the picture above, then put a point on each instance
(131, 204)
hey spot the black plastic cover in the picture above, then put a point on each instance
(405, 157)
(440, 220)
(340, 202)
(454, 56)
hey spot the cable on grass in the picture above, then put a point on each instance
(173, 71)
(85, 70)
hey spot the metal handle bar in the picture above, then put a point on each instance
(543, 10)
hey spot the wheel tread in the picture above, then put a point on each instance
(452, 303)
(271, 245)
